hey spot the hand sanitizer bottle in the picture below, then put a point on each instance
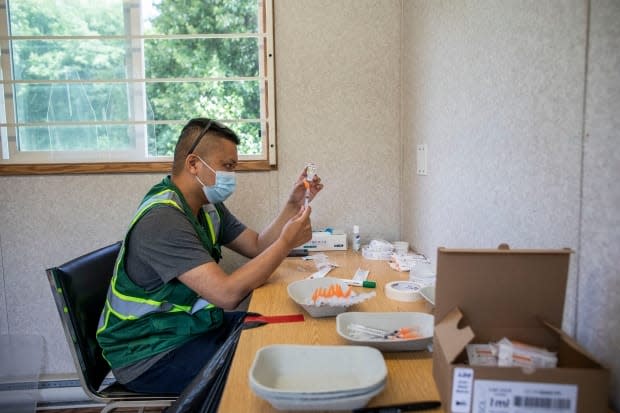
(356, 238)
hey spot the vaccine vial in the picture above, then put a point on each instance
(310, 171)
(356, 238)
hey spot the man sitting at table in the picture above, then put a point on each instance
(163, 319)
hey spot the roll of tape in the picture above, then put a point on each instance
(403, 291)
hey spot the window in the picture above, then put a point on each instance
(106, 86)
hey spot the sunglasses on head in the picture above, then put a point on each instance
(208, 124)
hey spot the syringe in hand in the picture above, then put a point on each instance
(310, 172)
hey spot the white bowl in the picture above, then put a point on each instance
(301, 291)
(388, 322)
(311, 377)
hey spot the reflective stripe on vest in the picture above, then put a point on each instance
(214, 220)
(127, 307)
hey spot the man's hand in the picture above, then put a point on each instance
(298, 229)
(298, 193)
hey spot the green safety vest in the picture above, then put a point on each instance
(136, 324)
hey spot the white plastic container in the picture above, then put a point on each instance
(421, 270)
(311, 377)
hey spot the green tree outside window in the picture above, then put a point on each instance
(72, 65)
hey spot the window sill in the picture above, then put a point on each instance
(111, 167)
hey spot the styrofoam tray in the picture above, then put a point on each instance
(302, 290)
(388, 321)
(304, 377)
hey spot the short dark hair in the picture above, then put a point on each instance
(191, 135)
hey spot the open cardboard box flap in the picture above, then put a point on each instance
(570, 353)
(502, 291)
(454, 339)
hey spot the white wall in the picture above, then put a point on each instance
(598, 310)
(338, 94)
(495, 89)
(497, 92)
(45, 222)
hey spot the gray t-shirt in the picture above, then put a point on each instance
(161, 246)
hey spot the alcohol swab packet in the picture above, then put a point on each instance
(360, 275)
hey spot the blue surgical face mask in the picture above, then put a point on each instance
(225, 184)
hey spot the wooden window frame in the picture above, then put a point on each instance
(267, 119)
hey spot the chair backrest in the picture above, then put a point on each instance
(79, 288)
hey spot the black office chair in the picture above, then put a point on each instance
(79, 288)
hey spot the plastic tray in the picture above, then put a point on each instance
(388, 321)
(304, 377)
(300, 291)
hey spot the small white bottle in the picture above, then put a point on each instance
(356, 238)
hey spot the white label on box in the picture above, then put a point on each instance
(494, 396)
(462, 389)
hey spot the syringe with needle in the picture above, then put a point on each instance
(310, 172)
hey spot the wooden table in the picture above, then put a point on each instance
(409, 373)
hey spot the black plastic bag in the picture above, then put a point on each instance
(203, 393)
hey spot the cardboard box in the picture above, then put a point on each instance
(484, 295)
(327, 241)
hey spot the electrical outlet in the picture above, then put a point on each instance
(421, 159)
